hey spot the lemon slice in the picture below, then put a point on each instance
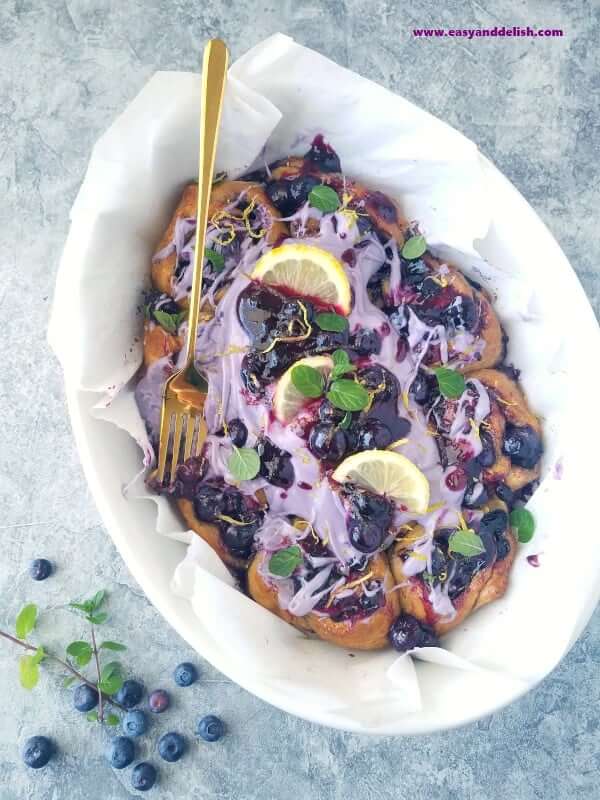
(287, 400)
(306, 271)
(388, 473)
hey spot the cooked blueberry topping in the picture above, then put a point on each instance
(504, 493)
(365, 536)
(407, 633)
(494, 522)
(329, 413)
(207, 501)
(238, 432)
(414, 273)
(475, 494)
(461, 314)
(374, 435)
(37, 751)
(488, 451)
(399, 320)
(323, 155)
(275, 464)
(369, 520)
(523, 445)
(185, 674)
(502, 548)
(239, 538)
(423, 388)
(85, 697)
(288, 195)
(380, 381)
(327, 442)
(188, 476)
(40, 569)
(382, 206)
(120, 752)
(366, 342)
(155, 301)
(327, 341)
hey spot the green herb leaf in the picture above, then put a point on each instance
(284, 562)
(348, 395)
(98, 599)
(345, 423)
(26, 620)
(216, 259)
(39, 655)
(450, 382)
(98, 619)
(92, 716)
(414, 247)
(81, 606)
(81, 652)
(324, 198)
(112, 720)
(112, 646)
(111, 685)
(110, 669)
(465, 543)
(70, 679)
(341, 364)
(329, 321)
(29, 671)
(244, 463)
(170, 322)
(523, 523)
(308, 380)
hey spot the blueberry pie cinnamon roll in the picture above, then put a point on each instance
(366, 440)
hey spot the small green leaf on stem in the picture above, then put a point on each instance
(112, 646)
(244, 463)
(329, 321)
(26, 620)
(414, 247)
(169, 322)
(523, 524)
(216, 259)
(341, 364)
(98, 619)
(451, 383)
(92, 716)
(29, 671)
(81, 652)
(308, 380)
(348, 395)
(284, 562)
(112, 720)
(465, 543)
(324, 198)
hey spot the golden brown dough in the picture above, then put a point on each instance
(158, 343)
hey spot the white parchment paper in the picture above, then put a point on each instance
(274, 107)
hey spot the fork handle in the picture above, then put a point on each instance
(214, 74)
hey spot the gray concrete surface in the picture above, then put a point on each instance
(67, 67)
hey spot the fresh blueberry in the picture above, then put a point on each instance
(366, 342)
(238, 432)
(523, 445)
(40, 569)
(185, 674)
(326, 442)
(37, 751)
(130, 694)
(120, 752)
(407, 633)
(210, 728)
(85, 697)
(158, 701)
(374, 435)
(171, 746)
(365, 536)
(143, 776)
(414, 273)
(207, 500)
(329, 413)
(371, 506)
(239, 539)
(134, 723)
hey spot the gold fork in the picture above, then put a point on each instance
(182, 407)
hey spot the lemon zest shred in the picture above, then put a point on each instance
(461, 521)
(232, 521)
(435, 507)
(397, 443)
(475, 426)
(405, 399)
(418, 556)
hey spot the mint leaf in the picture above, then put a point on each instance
(86, 607)
(110, 670)
(170, 322)
(414, 247)
(216, 259)
(341, 364)
(345, 423)
(308, 380)
(244, 463)
(92, 716)
(348, 395)
(112, 720)
(98, 619)
(324, 198)
(98, 599)
(450, 382)
(26, 620)
(284, 562)
(81, 652)
(524, 524)
(111, 685)
(329, 321)
(29, 671)
(465, 543)
(39, 655)
(112, 646)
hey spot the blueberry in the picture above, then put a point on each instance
(429, 289)
(494, 522)
(327, 341)
(210, 728)
(380, 381)
(130, 694)
(374, 435)
(158, 701)
(120, 752)
(275, 464)
(258, 310)
(143, 776)
(365, 536)
(155, 301)
(323, 155)
(134, 723)
(502, 547)
(504, 493)
(461, 314)
(171, 746)
(299, 189)
(407, 633)
(423, 388)
(488, 450)
(37, 751)
(40, 569)
(188, 476)
(366, 342)
(207, 501)
(475, 494)
(329, 413)
(414, 273)
(383, 207)
(239, 539)
(523, 445)
(185, 674)
(85, 697)
(371, 506)
(327, 442)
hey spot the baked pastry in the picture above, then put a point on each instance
(353, 492)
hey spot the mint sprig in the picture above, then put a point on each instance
(465, 543)
(523, 523)
(217, 260)
(330, 321)
(324, 198)
(450, 382)
(341, 364)
(243, 463)
(414, 247)
(170, 322)
(308, 380)
(284, 562)
(348, 395)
